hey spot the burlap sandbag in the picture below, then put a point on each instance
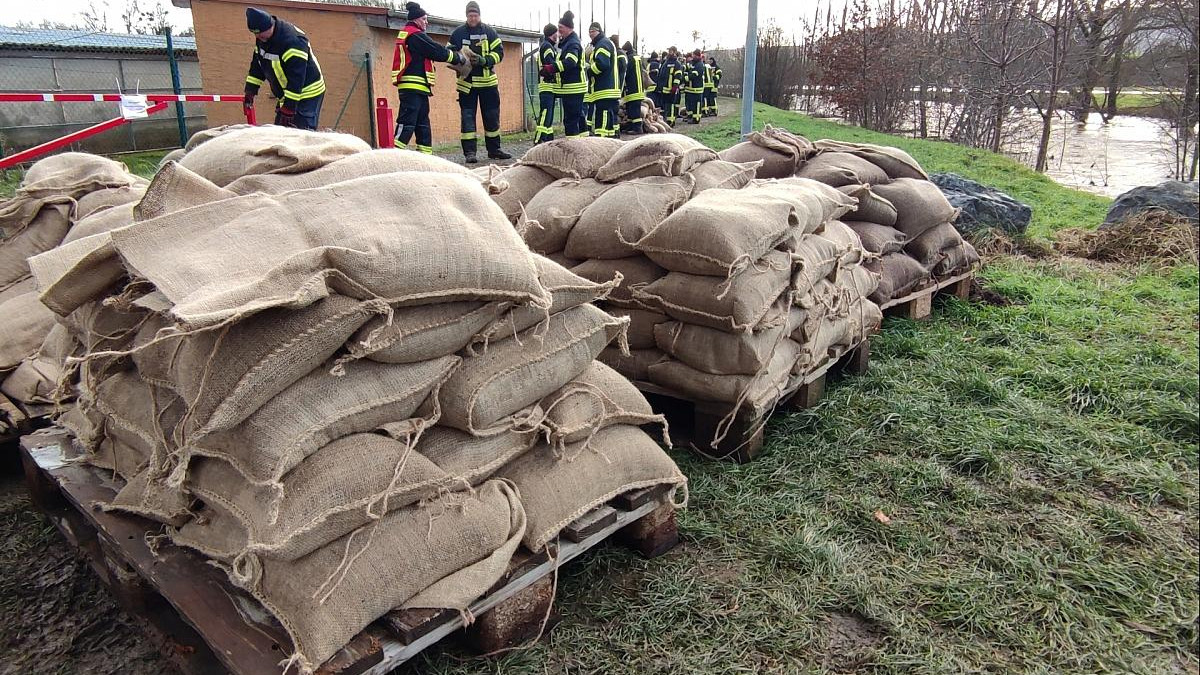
(523, 182)
(147, 494)
(927, 248)
(74, 174)
(757, 393)
(894, 161)
(319, 408)
(641, 325)
(172, 156)
(472, 459)
(898, 274)
(138, 416)
(563, 260)
(25, 285)
(97, 201)
(233, 257)
(719, 174)
(227, 374)
(103, 221)
(739, 304)
(268, 149)
(878, 239)
(175, 188)
(28, 227)
(36, 379)
(556, 491)
(813, 258)
(598, 398)
(635, 272)
(655, 155)
(836, 334)
(920, 205)
(609, 227)
(871, 207)
(26, 323)
(516, 372)
(635, 365)
(720, 233)
(855, 282)
(556, 209)
(566, 289)
(357, 165)
(780, 152)
(453, 550)
(822, 202)
(424, 332)
(842, 168)
(956, 259)
(205, 135)
(718, 352)
(78, 272)
(578, 157)
(846, 240)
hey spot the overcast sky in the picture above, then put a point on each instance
(661, 23)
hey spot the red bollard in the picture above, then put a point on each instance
(251, 118)
(384, 134)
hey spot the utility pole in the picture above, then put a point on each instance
(748, 71)
(636, 45)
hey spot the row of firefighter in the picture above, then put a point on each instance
(589, 83)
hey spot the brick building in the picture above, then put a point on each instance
(342, 36)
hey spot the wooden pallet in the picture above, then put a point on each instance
(696, 423)
(203, 624)
(918, 305)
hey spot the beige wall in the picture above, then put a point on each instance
(339, 38)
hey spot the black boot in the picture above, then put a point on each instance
(498, 154)
(471, 158)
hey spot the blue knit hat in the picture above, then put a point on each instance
(257, 20)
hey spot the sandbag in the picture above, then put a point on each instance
(641, 325)
(898, 274)
(579, 157)
(635, 365)
(956, 259)
(138, 416)
(103, 221)
(36, 379)
(175, 188)
(878, 239)
(556, 209)
(840, 168)
(871, 207)
(822, 202)
(845, 239)
(523, 182)
(813, 258)
(719, 174)
(609, 227)
(655, 155)
(424, 332)
(779, 151)
(920, 205)
(856, 281)
(837, 333)
(25, 326)
(718, 352)
(927, 248)
(267, 149)
(894, 161)
(514, 373)
(740, 304)
(233, 257)
(25, 285)
(94, 202)
(472, 459)
(74, 174)
(367, 163)
(147, 494)
(205, 135)
(598, 398)
(319, 408)
(78, 272)
(635, 272)
(566, 289)
(757, 393)
(27, 228)
(556, 491)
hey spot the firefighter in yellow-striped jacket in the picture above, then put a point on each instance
(412, 73)
(283, 59)
(481, 88)
(602, 75)
(711, 82)
(549, 81)
(633, 90)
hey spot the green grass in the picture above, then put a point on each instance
(1132, 104)
(1056, 206)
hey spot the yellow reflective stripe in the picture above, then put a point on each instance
(279, 76)
(427, 149)
(469, 136)
(573, 88)
(572, 55)
(606, 93)
(496, 43)
(294, 52)
(491, 134)
(250, 79)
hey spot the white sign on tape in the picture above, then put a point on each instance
(134, 107)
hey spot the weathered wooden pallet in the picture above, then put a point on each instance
(696, 423)
(918, 305)
(203, 624)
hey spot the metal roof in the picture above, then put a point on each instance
(93, 41)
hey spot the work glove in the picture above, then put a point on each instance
(287, 115)
(548, 69)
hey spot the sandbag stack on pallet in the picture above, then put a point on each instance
(362, 395)
(61, 198)
(903, 220)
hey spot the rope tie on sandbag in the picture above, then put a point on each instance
(366, 346)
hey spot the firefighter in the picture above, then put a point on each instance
(667, 85)
(412, 73)
(710, 93)
(284, 59)
(652, 66)
(548, 83)
(481, 88)
(572, 85)
(602, 73)
(694, 87)
(633, 90)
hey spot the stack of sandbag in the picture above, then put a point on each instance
(59, 199)
(653, 121)
(780, 151)
(903, 220)
(353, 395)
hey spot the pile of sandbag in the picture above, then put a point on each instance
(904, 221)
(735, 288)
(355, 389)
(61, 198)
(653, 121)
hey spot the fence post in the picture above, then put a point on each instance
(371, 97)
(177, 87)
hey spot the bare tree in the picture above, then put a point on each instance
(1175, 25)
(1058, 31)
(95, 18)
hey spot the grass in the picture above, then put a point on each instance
(1132, 104)
(1036, 463)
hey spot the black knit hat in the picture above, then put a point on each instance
(596, 27)
(628, 46)
(257, 20)
(568, 20)
(549, 29)
(414, 10)
(473, 6)
(654, 55)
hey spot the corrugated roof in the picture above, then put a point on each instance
(45, 38)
